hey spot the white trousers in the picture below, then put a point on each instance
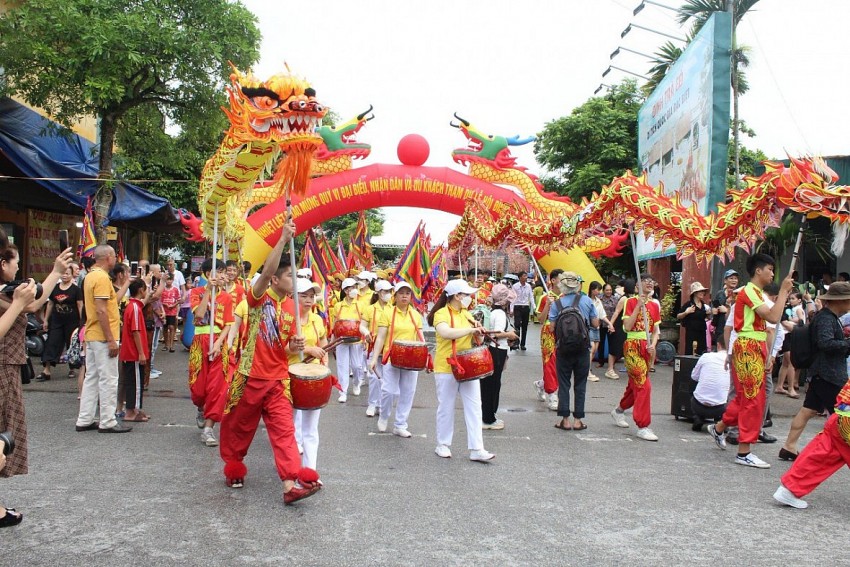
(307, 436)
(470, 393)
(397, 386)
(375, 386)
(101, 382)
(349, 358)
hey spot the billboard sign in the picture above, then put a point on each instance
(683, 127)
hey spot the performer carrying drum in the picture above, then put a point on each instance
(403, 353)
(372, 314)
(456, 366)
(315, 339)
(347, 316)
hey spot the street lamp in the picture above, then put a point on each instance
(645, 2)
(616, 52)
(608, 70)
(630, 26)
(600, 87)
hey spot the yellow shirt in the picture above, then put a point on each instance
(313, 332)
(406, 327)
(372, 316)
(347, 309)
(98, 285)
(462, 320)
(241, 311)
(365, 298)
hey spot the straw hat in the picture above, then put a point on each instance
(697, 287)
(838, 291)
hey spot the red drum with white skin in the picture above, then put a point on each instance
(476, 363)
(310, 385)
(409, 355)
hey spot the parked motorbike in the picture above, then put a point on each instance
(35, 340)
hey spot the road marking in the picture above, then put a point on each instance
(586, 438)
(389, 433)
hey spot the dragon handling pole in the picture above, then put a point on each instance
(796, 255)
(640, 286)
(294, 274)
(214, 291)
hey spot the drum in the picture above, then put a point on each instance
(348, 330)
(476, 362)
(409, 355)
(310, 385)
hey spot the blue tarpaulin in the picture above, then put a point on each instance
(32, 144)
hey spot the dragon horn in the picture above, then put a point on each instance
(363, 114)
(516, 141)
(462, 121)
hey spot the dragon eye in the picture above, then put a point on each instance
(265, 103)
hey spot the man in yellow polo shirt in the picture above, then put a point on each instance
(102, 333)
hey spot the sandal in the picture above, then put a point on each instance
(12, 518)
(560, 425)
(581, 427)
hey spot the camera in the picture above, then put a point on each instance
(10, 288)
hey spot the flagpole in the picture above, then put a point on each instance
(476, 262)
(294, 275)
(539, 271)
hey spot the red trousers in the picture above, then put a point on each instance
(821, 458)
(547, 348)
(266, 399)
(747, 409)
(207, 384)
(638, 392)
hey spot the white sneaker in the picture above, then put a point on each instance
(370, 411)
(208, 437)
(497, 425)
(481, 455)
(719, 438)
(155, 373)
(785, 496)
(646, 434)
(541, 393)
(199, 418)
(553, 402)
(382, 425)
(612, 374)
(355, 389)
(343, 397)
(751, 460)
(591, 377)
(443, 451)
(619, 418)
(402, 432)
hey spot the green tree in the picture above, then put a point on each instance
(345, 225)
(104, 58)
(594, 144)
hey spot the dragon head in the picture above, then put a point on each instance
(191, 226)
(806, 186)
(342, 140)
(485, 148)
(282, 109)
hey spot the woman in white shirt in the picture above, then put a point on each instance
(501, 297)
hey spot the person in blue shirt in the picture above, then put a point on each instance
(572, 367)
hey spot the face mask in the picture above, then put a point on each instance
(385, 296)
(352, 293)
(466, 301)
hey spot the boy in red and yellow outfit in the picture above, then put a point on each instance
(547, 388)
(748, 359)
(260, 386)
(821, 458)
(642, 324)
(207, 363)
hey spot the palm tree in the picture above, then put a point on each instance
(698, 12)
(665, 57)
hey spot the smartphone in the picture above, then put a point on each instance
(63, 240)
(134, 269)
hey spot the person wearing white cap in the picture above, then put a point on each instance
(369, 322)
(454, 326)
(693, 317)
(305, 273)
(315, 339)
(400, 322)
(349, 356)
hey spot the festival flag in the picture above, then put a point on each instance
(415, 263)
(119, 255)
(360, 248)
(437, 276)
(340, 252)
(88, 240)
(327, 253)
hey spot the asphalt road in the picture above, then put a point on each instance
(156, 496)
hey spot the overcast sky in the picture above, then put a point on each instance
(511, 66)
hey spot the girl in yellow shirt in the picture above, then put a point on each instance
(452, 322)
(349, 356)
(405, 324)
(369, 329)
(315, 338)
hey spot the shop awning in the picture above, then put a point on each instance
(69, 162)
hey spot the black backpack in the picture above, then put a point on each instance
(799, 344)
(571, 333)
